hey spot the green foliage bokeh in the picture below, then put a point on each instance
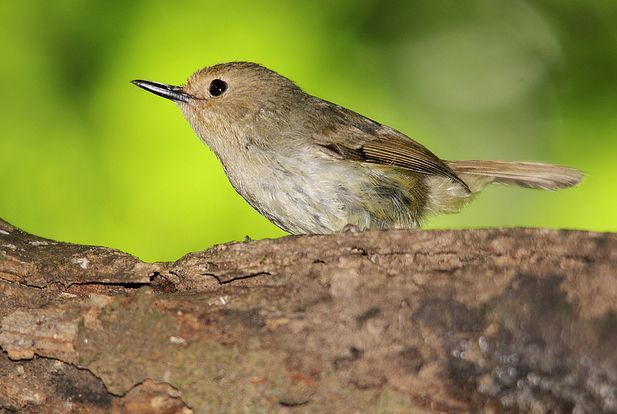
(87, 157)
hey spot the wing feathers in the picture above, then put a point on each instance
(348, 135)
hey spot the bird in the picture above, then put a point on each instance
(313, 167)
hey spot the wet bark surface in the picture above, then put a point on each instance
(494, 320)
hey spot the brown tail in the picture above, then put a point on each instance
(525, 174)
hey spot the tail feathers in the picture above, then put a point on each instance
(477, 174)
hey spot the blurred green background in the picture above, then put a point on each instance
(87, 157)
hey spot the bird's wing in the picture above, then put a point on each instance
(348, 135)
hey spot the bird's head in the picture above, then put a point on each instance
(232, 101)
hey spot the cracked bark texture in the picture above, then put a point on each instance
(468, 321)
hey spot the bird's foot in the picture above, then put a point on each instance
(351, 228)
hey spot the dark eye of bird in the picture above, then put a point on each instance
(217, 87)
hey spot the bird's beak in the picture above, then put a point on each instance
(175, 93)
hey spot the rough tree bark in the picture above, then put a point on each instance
(498, 320)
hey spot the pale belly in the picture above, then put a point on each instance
(298, 202)
(321, 196)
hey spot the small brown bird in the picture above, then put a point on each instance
(311, 166)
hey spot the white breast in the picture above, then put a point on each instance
(299, 194)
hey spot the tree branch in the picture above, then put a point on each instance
(506, 320)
